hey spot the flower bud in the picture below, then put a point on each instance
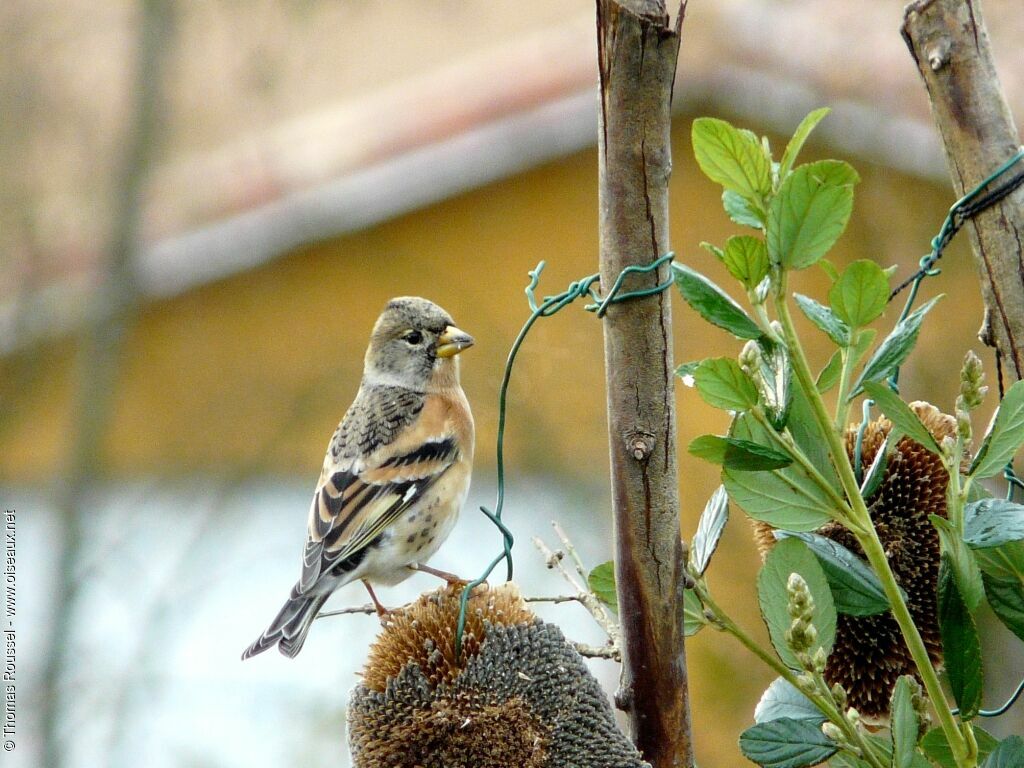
(832, 731)
(972, 377)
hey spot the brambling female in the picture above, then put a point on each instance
(396, 473)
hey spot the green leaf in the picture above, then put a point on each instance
(731, 158)
(786, 743)
(746, 258)
(786, 557)
(862, 341)
(861, 293)
(855, 588)
(825, 319)
(876, 472)
(903, 722)
(900, 414)
(714, 250)
(961, 560)
(602, 583)
(713, 304)
(782, 699)
(1006, 599)
(741, 211)
(797, 142)
(1005, 435)
(808, 436)
(936, 746)
(784, 498)
(894, 349)
(1005, 562)
(735, 454)
(693, 614)
(992, 522)
(810, 212)
(1008, 754)
(709, 530)
(722, 383)
(774, 379)
(960, 644)
(831, 373)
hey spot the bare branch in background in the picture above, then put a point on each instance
(113, 309)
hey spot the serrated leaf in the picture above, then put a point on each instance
(693, 614)
(992, 522)
(961, 560)
(810, 212)
(602, 583)
(1008, 754)
(735, 454)
(786, 743)
(746, 258)
(722, 383)
(732, 158)
(855, 588)
(960, 644)
(894, 348)
(824, 319)
(741, 211)
(784, 498)
(799, 137)
(900, 414)
(782, 699)
(1004, 436)
(860, 294)
(787, 557)
(831, 373)
(709, 530)
(936, 746)
(714, 304)
(903, 722)
(1006, 599)
(774, 379)
(1005, 562)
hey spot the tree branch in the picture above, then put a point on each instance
(637, 53)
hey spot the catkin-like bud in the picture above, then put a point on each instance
(972, 378)
(963, 420)
(750, 359)
(839, 695)
(833, 731)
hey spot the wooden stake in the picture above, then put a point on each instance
(637, 52)
(950, 45)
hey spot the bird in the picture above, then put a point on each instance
(396, 473)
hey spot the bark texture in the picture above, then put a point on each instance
(637, 51)
(950, 45)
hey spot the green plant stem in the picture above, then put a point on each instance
(842, 403)
(868, 537)
(824, 703)
(842, 509)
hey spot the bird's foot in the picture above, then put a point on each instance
(451, 578)
(382, 612)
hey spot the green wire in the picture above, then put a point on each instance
(548, 307)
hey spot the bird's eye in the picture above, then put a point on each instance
(413, 337)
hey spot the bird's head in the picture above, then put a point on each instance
(414, 345)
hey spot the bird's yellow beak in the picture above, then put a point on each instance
(453, 341)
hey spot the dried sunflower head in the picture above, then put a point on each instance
(869, 653)
(518, 694)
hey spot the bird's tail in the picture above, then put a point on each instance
(289, 629)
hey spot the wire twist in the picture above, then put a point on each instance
(549, 306)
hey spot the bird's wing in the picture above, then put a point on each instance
(356, 500)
